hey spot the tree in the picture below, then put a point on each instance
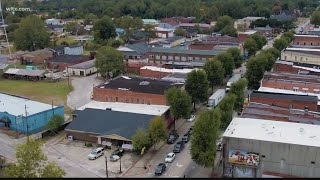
(275, 52)
(150, 32)
(255, 71)
(204, 137)
(251, 46)
(180, 103)
(315, 18)
(71, 27)
(280, 43)
(90, 19)
(215, 72)
(54, 123)
(140, 140)
(197, 86)
(260, 40)
(227, 62)
(238, 89)
(130, 25)
(157, 130)
(180, 32)
(227, 107)
(109, 60)
(268, 58)
(222, 22)
(289, 35)
(229, 30)
(236, 55)
(104, 29)
(276, 10)
(31, 35)
(32, 163)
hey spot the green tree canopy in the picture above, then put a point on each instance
(104, 29)
(150, 32)
(222, 22)
(275, 52)
(280, 43)
(130, 25)
(157, 130)
(215, 72)
(251, 46)
(109, 60)
(197, 86)
(255, 72)
(204, 137)
(71, 27)
(180, 32)
(227, 107)
(54, 123)
(238, 89)
(180, 102)
(90, 19)
(140, 140)
(227, 62)
(229, 30)
(31, 35)
(315, 18)
(236, 55)
(32, 163)
(260, 40)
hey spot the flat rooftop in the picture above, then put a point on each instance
(154, 68)
(156, 110)
(83, 65)
(274, 131)
(139, 84)
(271, 95)
(15, 105)
(185, 51)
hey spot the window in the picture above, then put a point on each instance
(295, 58)
(151, 57)
(285, 57)
(203, 59)
(301, 58)
(157, 57)
(116, 99)
(305, 89)
(298, 43)
(316, 91)
(137, 100)
(111, 100)
(311, 44)
(164, 57)
(295, 88)
(98, 98)
(142, 101)
(148, 102)
(170, 58)
(177, 58)
(290, 106)
(197, 58)
(131, 100)
(183, 58)
(190, 58)
(106, 98)
(304, 43)
(127, 100)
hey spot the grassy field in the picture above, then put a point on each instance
(42, 91)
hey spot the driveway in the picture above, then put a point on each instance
(83, 87)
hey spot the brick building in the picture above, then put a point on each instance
(296, 68)
(306, 40)
(164, 55)
(61, 62)
(136, 90)
(295, 82)
(301, 55)
(291, 101)
(159, 72)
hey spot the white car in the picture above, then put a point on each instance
(191, 118)
(170, 157)
(96, 153)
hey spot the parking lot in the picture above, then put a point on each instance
(72, 156)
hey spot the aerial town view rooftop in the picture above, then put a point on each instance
(159, 88)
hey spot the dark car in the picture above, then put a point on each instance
(173, 136)
(118, 152)
(190, 131)
(178, 147)
(186, 138)
(160, 169)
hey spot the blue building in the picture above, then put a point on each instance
(24, 115)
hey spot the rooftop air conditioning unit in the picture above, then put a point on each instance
(144, 83)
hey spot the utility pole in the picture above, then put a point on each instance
(107, 166)
(120, 165)
(25, 108)
(68, 76)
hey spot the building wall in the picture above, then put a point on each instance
(286, 103)
(35, 123)
(74, 50)
(76, 72)
(289, 85)
(305, 40)
(153, 74)
(82, 136)
(287, 159)
(114, 95)
(161, 58)
(278, 67)
(300, 57)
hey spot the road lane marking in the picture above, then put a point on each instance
(179, 165)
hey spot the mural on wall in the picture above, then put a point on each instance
(243, 158)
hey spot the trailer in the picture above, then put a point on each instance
(216, 98)
(233, 79)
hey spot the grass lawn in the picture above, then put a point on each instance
(42, 91)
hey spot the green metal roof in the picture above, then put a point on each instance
(186, 51)
(150, 21)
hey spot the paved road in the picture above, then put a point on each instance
(82, 92)
(304, 25)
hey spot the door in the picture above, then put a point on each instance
(81, 73)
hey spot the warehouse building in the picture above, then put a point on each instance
(257, 147)
(24, 115)
(82, 69)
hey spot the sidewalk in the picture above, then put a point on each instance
(138, 167)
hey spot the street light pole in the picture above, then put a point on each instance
(120, 165)
(107, 166)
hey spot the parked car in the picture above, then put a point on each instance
(191, 118)
(190, 131)
(96, 153)
(114, 158)
(186, 137)
(170, 157)
(160, 169)
(178, 147)
(173, 136)
(118, 152)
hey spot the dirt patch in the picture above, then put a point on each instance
(11, 133)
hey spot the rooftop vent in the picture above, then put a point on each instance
(124, 89)
(144, 83)
(125, 77)
(109, 109)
